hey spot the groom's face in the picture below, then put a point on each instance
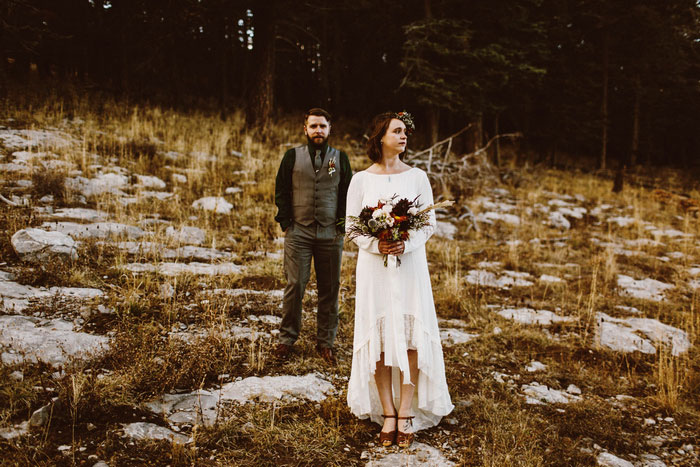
(317, 129)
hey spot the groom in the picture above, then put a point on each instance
(310, 192)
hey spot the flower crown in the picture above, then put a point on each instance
(407, 120)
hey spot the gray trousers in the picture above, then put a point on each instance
(301, 244)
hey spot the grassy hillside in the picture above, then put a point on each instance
(631, 404)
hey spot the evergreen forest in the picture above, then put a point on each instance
(615, 81)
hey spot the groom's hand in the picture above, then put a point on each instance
(391, 247)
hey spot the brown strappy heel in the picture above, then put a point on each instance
(387, 438)
(404, 440)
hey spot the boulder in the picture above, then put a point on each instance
(41, 416)
(149, 431)
(446, 230)
(95, 229)
(90, 215)
(213, 203)
(203, 406)
(186, 235)
(148, 181)
(36, 245)
(639, 334)
(605, 459)
(558, 221)
(29, 339)
(415, 455)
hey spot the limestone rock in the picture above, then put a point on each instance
(550, 279)
(530, 316)
(446, 230)
(103, 183)
(418, 454)
(535, 366)
(89, 215)
(213, 203)
(605, 459)
(536, 393)
(99, 230)
(451, 336)
(148, 181)
(503, 281)
(15, 431)
(647, 289)
(40, 416)
(626, 335)
(51, 341)
(186, 235)
(179, 178)
(143, 430)
(492, 217)
(558, 221)
(174, 269)
(36, 245)
(201, 406)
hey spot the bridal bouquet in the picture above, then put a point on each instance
(391, 220)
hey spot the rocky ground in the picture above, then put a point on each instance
(139, 307)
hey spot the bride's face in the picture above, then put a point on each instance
(394, 140)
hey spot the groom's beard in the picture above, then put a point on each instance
(312, 142)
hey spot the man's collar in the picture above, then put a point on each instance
(312, 148)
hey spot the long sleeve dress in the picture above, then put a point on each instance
(394, 309)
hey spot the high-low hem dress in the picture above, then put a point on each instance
(394, 308)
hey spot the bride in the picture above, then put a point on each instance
(398, 373)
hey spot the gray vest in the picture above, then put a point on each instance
(315, 194)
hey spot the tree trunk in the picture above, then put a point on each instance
(619, 181)
(225, 47)
(176, 88)
(433, 114)
(553, 156)
(497, 143)
(428, 9)
(335, 69)
(323, 67)
(124, 61)
(479, 132)
(634, 153)
(648, 141)
(261, 97)
(604, 106)
(97, 57)
(4, 66)
(3, 79)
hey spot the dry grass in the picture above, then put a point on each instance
(491, 426)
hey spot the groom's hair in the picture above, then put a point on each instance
(318, 112)
(376, 131)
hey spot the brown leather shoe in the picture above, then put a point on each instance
(326, 354)
(283, 351)
(387, 438)
(404, 440)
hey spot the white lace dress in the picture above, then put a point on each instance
(394, 309)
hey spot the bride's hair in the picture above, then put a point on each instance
(377, 129)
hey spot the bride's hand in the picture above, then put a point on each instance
(391, 247)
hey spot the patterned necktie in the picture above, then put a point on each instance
(317, 160)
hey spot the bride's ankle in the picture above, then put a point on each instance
(389, 423)
(404, 423)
